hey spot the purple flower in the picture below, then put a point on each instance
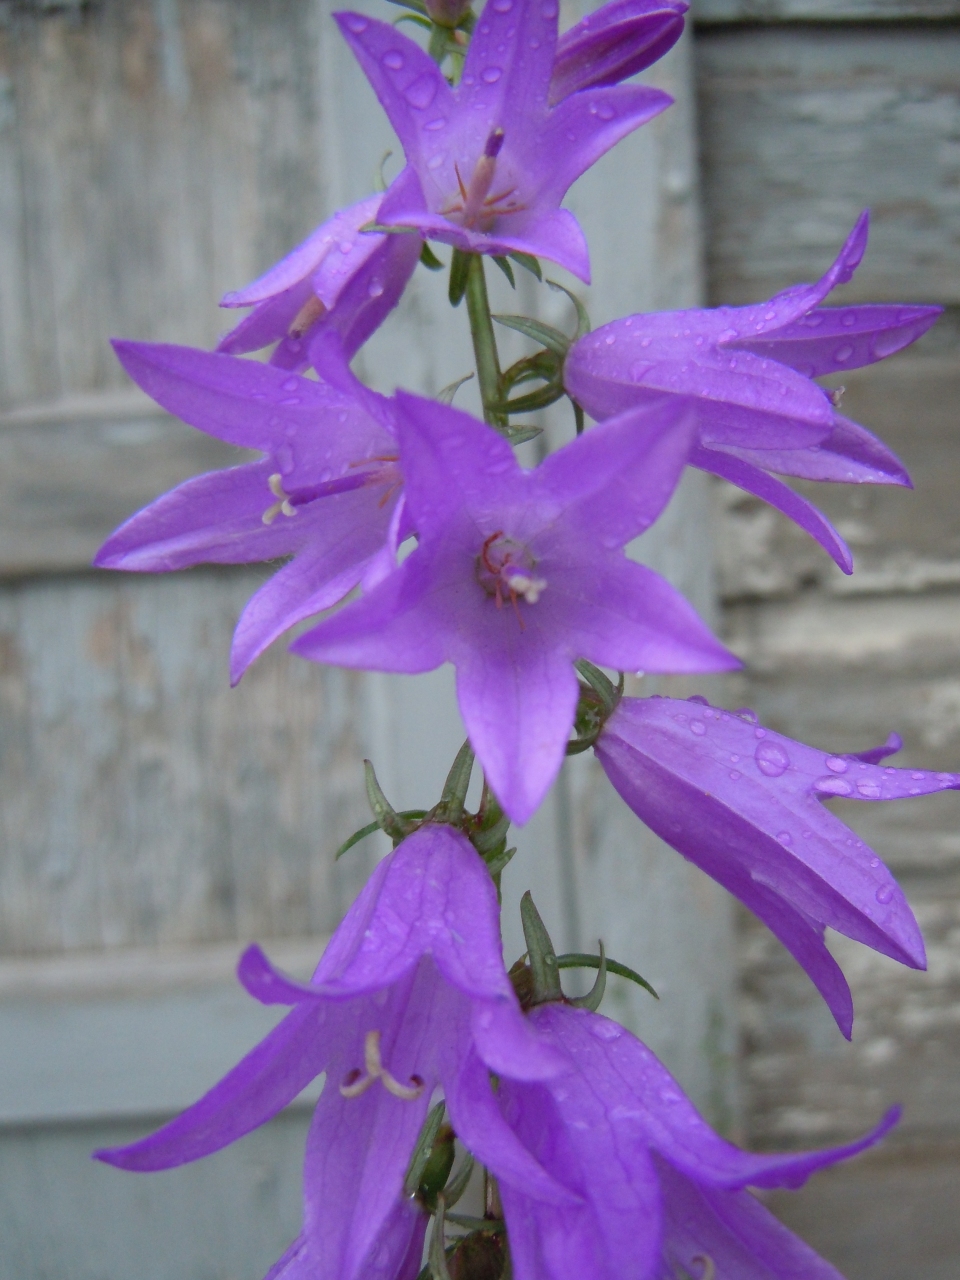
(659, 1189)
(744, 804)
(614, 42)
(410, 995)
(339, 281)
(490, 161)
(749, 370)
(517, 574)
(327, 493)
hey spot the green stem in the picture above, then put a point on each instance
(484, 342)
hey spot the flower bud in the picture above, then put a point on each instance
(615, 42)
(447, 13)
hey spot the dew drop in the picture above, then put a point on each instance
(874, 862)
(355, 23)
(735, 775)
(833, 786)
(436, 161)
(843, 353)
(759, 733)
(814, 319)
(699, 698)
(284, 456)
(734, 759)
(771, 315)
(772, 760)
(807, 834)
(884, 894)
(291, 384)
(603, 110)
(746, 714)
(837, 764)
(421, 92)
(290, 400)
(393, 59)
(437, 123)
(490, 75)
(605, 1030)
(346, 246)
(698, 727)
(610, 339)
(375, 288)
(785, 837)
(917, 777)
(848, 320)
(869, 790)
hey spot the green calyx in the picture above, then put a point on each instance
(598, 700)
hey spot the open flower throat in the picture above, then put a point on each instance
(505, 570)
(473, 205)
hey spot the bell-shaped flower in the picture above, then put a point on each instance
(410, 996)
(750, 370)
(519, 573)
(662, 1195)
(745, 804)
(614, 42)
(327, 493)
(340, 281)
(489, 161)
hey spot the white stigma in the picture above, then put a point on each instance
(524, 584)
(282, 505)
(358, 1082)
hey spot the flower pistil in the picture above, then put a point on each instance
(358, 1082)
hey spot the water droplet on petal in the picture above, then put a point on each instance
(833, 786)
(837, 764)
(849, 320)
(735, 775)
(290, 400)
(874, 862)
(605, 1030)
(759, 733)
(393, 59)
(436, 161)
(490, 75)
(869, 790)
(437, 123)
(772, 760)
(698, 698)
(746, 714)
(843, 353)
(291, 384)
(284, 456)
(421, 92)
(884, 894)
(785, 837)
(356, 23)
(375, 288)
(698, 727)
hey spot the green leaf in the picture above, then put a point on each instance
(371, 827)
(543, 958)
(507, 270)
(577, 417)
(594, 996)
(455, 788)
(421, 1152)
(445, 394)
(583, 320)
(459, 271)
(534, 400)
(386, 816)
(458, 1183)
(437, 1254)
(414, 17)
(545, 334)
(528, 262)
(430, 259)
(576, 960)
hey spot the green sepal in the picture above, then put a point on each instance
(545, 365)
(439, 44)
(371, 827)
(414, 17)
(455, 1188)
(578, 419)
(534, 400)
(520, 435)
(459, 271)
(583, 320)
(576, 960)
(497, 861)
(445, 394)
(528, 262)
(507, 270)
(545, 334)
(416, 5)
(386, 816)
(436, 1171)
(543, 958)
(594, 996)
(608, 692)
(437, 1253)
(377, 228)
(489, 1226)
(487, 841)
(454, 794)
(421, 1152)
(430, 259)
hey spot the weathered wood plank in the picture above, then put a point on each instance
(801, 129)
(724, 11)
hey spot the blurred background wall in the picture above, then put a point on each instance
(155, 153)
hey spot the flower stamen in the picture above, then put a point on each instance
(505, 571)
(357, 1082)
(283, 505)
(309, 313)
(476, 206)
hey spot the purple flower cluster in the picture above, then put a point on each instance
(597, 1167)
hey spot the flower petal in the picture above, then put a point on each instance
(850, 454)
(614, 42)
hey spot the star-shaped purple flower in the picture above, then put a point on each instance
(749, 370)
(327, 493)
(659, 1189)
(339, 281)
(517, 574)
(489, 161)
(614, 42)
(744, 804)
(411, 995)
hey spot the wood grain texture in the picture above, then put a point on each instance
(802, 129)
(724, 11)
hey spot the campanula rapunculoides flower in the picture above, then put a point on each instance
(745, 804)
(340, 281)
(327, 493)
(750, 370)
(410, 995)
(519, 573)
(659, 1188)
(614, 42)
(489, 161)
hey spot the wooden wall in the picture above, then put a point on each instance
(810, 112)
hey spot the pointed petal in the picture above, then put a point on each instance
(584, 127)
(750, 478)
(241, 401)
(833, 339)
(506, 75)
(614, 42)
(267, 322)
(874, 755)
(408, 83)
(734, 1231)
(850, 454)
(255, 1090)
(215, 518)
